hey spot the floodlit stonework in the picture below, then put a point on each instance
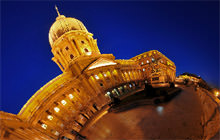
(90, 81)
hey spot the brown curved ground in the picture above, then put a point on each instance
(179, 118)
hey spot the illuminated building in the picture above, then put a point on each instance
(89, 82)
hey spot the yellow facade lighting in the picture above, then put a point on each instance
(63, 102)
(56, 109)
(50, 117)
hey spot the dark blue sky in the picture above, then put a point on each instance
(186, 32)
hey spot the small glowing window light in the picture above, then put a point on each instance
(56, 133)
(153, 59)
(216, 93)
(88, 53)
(62, 125)
(96, 77)
(56, 109)
(148, 61)
(71, 96)
(142, 63)
(108, 93)
(105, 75)
(50, 117)
(133, 84)
(143, 69)
(44, 126)
(130, 85)
(63, 102)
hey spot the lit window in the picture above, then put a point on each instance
(108, 93)
(143, 69)
(105, 75)
(44, 126)
(71, 96)
(96, 77)
(130, 85)
(63, 102)
(89, 53)
(133, 84)
(62, 125)
(50, 117)
(56, 109)
(147, 61)
(56, 133)
(142, 63)
(153, 59)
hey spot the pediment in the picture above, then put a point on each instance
(101, 62)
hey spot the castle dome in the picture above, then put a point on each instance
(63, 25)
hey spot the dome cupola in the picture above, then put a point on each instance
(63, 25)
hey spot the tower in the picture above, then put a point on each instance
(69, 40)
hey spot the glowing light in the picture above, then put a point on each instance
(148, 61)
(105, 75)
(159, 110)
(143, 69)
(56, 109)
(57, 133)
(50, 117)
(142, 63)
(44, 126)
(216, 93)
(96, 77)
(88, 53)
(153, 59)
(63, 102)
(104, 63)
(130, 85)
(108, 93)
(71, 96)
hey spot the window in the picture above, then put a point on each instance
(63, 102)
(143, 69)
(147, 61)
(7, 134)
(153, 59)
(71, 56)
(86, 50)
(101, 84)
(82, 42)
(50, 117)
(71, 96)
(56, 109)
(44, 126)
(96, 77)
(56, 133)
(67, 48)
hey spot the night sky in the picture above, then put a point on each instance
(186, 32)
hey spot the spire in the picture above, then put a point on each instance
(57, 11)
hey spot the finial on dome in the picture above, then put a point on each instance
(57, 11)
